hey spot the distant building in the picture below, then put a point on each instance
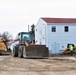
(55, 33)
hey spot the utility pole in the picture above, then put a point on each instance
(28, 28)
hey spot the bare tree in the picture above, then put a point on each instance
(7, 37)
(33, 28)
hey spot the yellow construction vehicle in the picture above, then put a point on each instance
(2, 45)
(67, 50)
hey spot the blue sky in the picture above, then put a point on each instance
(16, 15)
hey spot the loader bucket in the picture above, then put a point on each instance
(37, 51)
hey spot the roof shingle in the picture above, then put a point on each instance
(59, 20)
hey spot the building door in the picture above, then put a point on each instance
(55, 48)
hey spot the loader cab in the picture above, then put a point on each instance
(26, 36)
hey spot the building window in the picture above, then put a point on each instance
(53, 29)
(66, 28)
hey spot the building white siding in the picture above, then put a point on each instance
(40, 32)
(55, 41)
(61, 37)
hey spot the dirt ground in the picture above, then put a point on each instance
(60, 65)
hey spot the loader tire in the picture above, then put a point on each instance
(24, 51)
(15, 52)
(20, 52)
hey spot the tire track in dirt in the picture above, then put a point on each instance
(35, 65)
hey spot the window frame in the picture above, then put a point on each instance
(66, 28)
(53, 29)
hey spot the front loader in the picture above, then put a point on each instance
(25, 48)
(67, 50)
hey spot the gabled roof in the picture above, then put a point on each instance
(59, 20)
